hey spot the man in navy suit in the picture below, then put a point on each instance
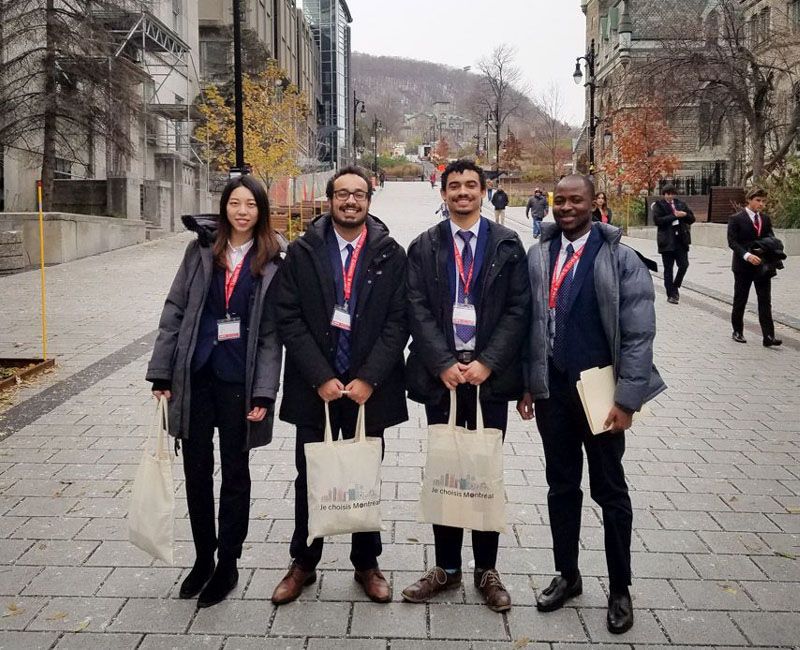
(468, 314)
(744, 228)
(592, 306)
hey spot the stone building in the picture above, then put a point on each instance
(163, 177)
(626, 36)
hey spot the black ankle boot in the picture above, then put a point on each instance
(225, 577)
(198, 577)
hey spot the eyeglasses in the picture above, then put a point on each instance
(343, 195)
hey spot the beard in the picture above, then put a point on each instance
(356, 221)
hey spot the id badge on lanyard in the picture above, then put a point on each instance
(464, 314)
(230, 328)
(341, 318)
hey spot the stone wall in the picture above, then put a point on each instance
(12, 256)
(70, 236)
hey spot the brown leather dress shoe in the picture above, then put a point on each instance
(374, 584)
(292, 584)
(433, 582)
(494, 593)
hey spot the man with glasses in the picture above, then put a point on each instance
(340, 310)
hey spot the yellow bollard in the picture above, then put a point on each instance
(41, 265)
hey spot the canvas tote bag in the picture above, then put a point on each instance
(463, 483)
(151, 514)
(344, 482)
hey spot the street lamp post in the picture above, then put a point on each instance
(356, 103)
(376, 123)
(589, 59)
(238, 111)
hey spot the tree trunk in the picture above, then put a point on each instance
(50, 120)
(757, 145)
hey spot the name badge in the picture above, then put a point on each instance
(229, 329)
(341, 318)
(464, 314)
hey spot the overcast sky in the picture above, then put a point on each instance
(548, 34)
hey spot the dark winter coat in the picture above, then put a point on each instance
(305, 302)
(669, 237)
(171, 360)
(770, 250)
(502, 309)
(499, 200)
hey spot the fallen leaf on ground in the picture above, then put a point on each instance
(57, 616)
(12, 609)
(793, 510)
(412, 539)
(729, 589)
(83, 624)
(522, 642)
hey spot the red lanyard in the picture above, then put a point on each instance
(555, 284)
(231, 278)
(757, 223)
(466, 281)
(350, 273)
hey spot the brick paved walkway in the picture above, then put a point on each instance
(714, 477)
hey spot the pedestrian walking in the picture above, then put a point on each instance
(593, 305)
(432, 179)
(489, 190)
(537, 208)
(601, 212)
(341, 313)
(443, 210)
(674, 219)
(468, 312)
(217, 359)
(500, 201)
(382, 178)
(747, 230)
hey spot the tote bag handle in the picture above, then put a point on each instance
(161, 429)
(361, 427)
(451, 421)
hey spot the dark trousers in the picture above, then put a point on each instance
(565, 432)
(365, 547)
(741, 292)
(680, 258)
(215, 403)
(447, 539)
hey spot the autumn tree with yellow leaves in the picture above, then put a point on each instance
(274, 115)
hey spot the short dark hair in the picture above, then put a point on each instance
(668, 189)
(588, 183)
(355, 170)
(459, 167)
(755, 193)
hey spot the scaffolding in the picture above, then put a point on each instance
(160, 53)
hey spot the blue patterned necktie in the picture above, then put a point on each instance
(562, 301)
(465, 332)
(342, 362)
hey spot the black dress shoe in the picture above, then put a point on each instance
(620, 613)
(770, 341)
(221, 584)
(673, 300)
(559, 591)
(198, 577)
(737, 336)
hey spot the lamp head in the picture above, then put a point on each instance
(577, 76)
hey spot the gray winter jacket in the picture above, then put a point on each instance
(625, 293)
(177, 336)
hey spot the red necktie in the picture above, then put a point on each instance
(757, 223)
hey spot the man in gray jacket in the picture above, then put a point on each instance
(537, 208)
(593, 306)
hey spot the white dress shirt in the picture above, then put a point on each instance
(236, 254)
(473, 244)
(343, 243)
(577, 245)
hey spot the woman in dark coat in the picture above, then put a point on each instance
(601, 212)
(217, 359)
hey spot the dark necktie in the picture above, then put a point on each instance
(757, 222)
(562, 301)
(465, 332)
(343, 347)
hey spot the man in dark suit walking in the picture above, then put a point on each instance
(341, 312)
(468, 311)
(592, 306)
(744, 228)
(673, 218)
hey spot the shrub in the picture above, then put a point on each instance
(784, 196)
